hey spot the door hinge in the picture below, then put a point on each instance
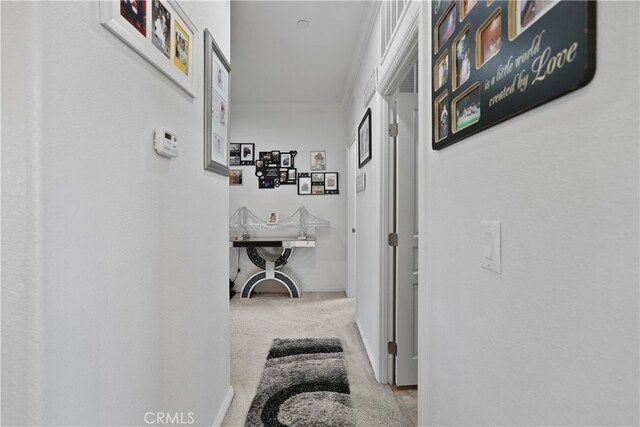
(392, 348)
(393, 130)
(393, 239)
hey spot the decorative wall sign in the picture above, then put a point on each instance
(496, 59)
(275, 168)
(151, 28)
(216, 107)
(364, 139)
(318, 183)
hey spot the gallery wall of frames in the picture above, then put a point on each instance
(495, 59)
(277, 168)
(160, 31)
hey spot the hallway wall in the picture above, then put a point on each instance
(303, 128)
(553, 340)
(114, 259)
(368, 203)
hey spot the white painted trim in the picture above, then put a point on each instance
(424, 145)
(367, 24)
(224, 408)
(367, 349)
(383, 197)
(399, 56)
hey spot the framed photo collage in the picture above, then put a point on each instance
(494, 59)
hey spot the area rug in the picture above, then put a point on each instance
(304, 383)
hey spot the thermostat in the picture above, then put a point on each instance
(165, 143)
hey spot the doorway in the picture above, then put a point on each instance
(402, 181)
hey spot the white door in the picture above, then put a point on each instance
(352, 170)
(406, 297)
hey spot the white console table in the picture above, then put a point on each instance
(272, 265)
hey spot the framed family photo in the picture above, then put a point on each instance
(159, 31)
(217, 152)
(364, 139)
(318, 160)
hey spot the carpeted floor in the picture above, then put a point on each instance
(257, 321)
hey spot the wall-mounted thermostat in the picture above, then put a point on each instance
(165, 143)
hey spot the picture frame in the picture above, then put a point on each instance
(506, 57)
(235, 177)
(273, 218)
(216, 107)
(364, 139)
(318, 160)
(135, 26)
(234, 155)
(304, 184)
(247, 154)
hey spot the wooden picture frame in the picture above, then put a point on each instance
(217, 72)
(136, 28)
(364, 139)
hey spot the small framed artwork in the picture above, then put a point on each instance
(489, 38)
(317, 177)
(288, 176)
(467, 5)
(364, 139)
(441, 119)
(318, 160)
(304, 184)
(273, 218)
(234, 155)
(247, 154)
(441, 71)
(151, 28)
(331, 183)
(292, 175)
(216, 114)
(317, 189)
(445, 27)
(286, 160)
(275, 159)
(467, 108)
(462, 63)
(235, 176)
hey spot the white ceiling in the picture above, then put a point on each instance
(274, 61)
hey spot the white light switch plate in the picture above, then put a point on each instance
(492, 245)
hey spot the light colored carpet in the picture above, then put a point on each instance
(257, 321)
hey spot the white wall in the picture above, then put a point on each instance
(302, 128)
(553, 340)
(114, 296)
(368, 208)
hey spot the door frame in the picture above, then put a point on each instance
(401, 57)
(352, 236)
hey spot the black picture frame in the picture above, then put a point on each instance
(246, 160)
(364, 139)
(506, 57)
(318, 183)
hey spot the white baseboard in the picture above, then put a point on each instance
(367, 348)
(224, 408)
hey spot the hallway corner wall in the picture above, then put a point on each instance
(114, 290)
(553, 340)
(303, 128)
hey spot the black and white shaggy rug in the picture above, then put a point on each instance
(304, 383)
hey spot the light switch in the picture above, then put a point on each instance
(491, 245)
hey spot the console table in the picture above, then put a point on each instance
(272, 265)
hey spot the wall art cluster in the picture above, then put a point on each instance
(494, 59)
(160, 31)
(276, 168)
